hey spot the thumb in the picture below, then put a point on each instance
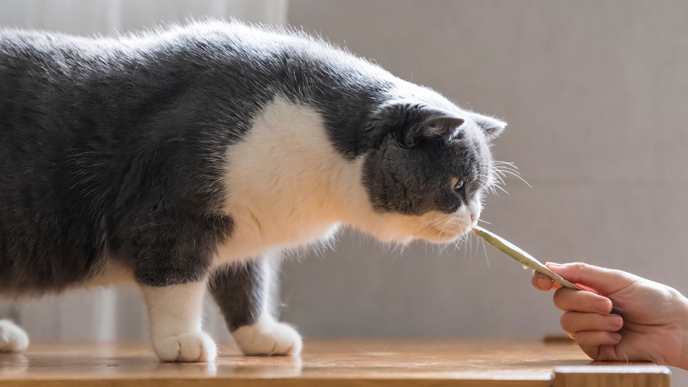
(603, 280)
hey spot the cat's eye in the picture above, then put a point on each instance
(456, 183)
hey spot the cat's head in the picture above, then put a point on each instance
(428, 168)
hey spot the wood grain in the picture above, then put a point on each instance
(612, 376)
(361, 363)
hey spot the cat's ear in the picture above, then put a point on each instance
(433, 124)
(410, 123)
(492, 127)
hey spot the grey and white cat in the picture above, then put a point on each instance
(183, 159)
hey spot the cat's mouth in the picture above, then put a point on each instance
(440, 228)
(447, 233)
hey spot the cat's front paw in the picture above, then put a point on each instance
(12, 338)
(186, 347)
(268, 337)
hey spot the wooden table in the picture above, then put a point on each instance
(339, 363)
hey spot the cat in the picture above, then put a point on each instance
(185, 159)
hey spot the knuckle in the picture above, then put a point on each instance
(559, 298)
(580, 266)
(586, 338)
(566, 322)
(584, 341)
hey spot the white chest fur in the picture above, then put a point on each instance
(285, 183)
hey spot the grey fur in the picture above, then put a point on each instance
(240, 290)
(112, 148)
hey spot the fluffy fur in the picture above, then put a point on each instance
(185, 157)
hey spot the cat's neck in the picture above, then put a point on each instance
(286, 184)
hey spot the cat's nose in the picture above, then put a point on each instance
(472, 218)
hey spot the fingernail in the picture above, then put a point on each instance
(554, 265)
(603, 306)
(616, 337)
(615, 320)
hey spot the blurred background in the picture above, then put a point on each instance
(594, 93)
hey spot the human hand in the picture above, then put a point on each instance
(654, 317)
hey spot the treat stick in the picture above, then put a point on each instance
(526, 259)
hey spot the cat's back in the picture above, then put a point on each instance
(45, 58)
(35, 61)
(225, 58)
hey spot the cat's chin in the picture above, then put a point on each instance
(442, 240)
(444, 237)
(405, 240)
(430, 235)
(435, 239)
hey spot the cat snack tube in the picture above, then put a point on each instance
(527, 260)
(521, 256)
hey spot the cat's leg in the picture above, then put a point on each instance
(242, 292)
(172, 256)
(12, 338)
(175, 316)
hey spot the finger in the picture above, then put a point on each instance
(591, 341)
(541, 281)
(604, 280)
(581, 301)
(610, 353)
(575, 322)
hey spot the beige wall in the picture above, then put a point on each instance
(595, 94)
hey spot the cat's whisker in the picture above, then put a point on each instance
(468, 242)
(499, 187)
(502, 171)
(489, 184)
(504, 166)
(435, 222)
(422, 226)
(449, 221)
(498, 172)
(487, 259)
(496, 183)
(499, 180)
(396, 252)
(518, 176)
(505, 163)
(508, 169)
(494, 176)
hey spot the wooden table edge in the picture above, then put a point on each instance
(609, 375)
